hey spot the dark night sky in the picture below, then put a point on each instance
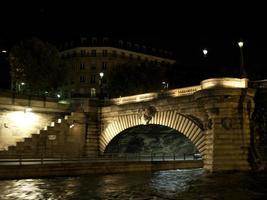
(183, 29)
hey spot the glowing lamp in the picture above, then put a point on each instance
(205, 52)
(240, 44)
(28, 110)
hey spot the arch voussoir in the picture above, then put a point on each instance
(170, 118)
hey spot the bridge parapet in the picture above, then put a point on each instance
(186, 91)
(225, 82)
(9, 100)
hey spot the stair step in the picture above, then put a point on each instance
(27, 140)
(35, 135)
(11, 148)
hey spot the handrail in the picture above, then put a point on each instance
(61, 159)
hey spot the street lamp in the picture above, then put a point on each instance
(242, 68)
(165, 85)
(101, 74)
(21, 86)
(205, 52)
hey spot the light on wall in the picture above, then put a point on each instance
(22, 119)
(27, 110)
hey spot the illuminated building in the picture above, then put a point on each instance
(90, 57)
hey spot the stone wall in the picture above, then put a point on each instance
(227, 135)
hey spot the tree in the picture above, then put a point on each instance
(130, 79)
(36, 65)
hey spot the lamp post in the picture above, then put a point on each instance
(204, 59)
(21, 87)
(101, 74)
(165, 85)
(242, 68)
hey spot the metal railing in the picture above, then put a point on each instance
(111, 157)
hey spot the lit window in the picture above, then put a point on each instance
(93, 92)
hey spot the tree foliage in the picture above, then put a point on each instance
(130, 79)
(37, 64)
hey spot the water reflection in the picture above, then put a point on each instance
(172, 184)
(173, 181)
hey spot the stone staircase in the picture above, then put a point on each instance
(58, 139)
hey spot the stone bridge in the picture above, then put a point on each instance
(215, 116)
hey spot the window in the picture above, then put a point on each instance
(93, 67)
(94, 40)
(83, 40)
(83, 52)
(105, 40)
(120, 43)
(104, 65)
(122, 54)
(82, 79)
(129, 44)
(93, 53)
(93, 92)
(105, 52)
(82, 67)
(114, 53)
(92, 79)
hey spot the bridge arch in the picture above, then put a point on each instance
(172, 119)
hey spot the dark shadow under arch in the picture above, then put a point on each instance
(146, 139)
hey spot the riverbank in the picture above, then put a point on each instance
(77, 169)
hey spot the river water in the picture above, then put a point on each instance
(172, 184)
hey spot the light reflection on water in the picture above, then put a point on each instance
(172, 184)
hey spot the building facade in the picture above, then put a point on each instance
(90, 66)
